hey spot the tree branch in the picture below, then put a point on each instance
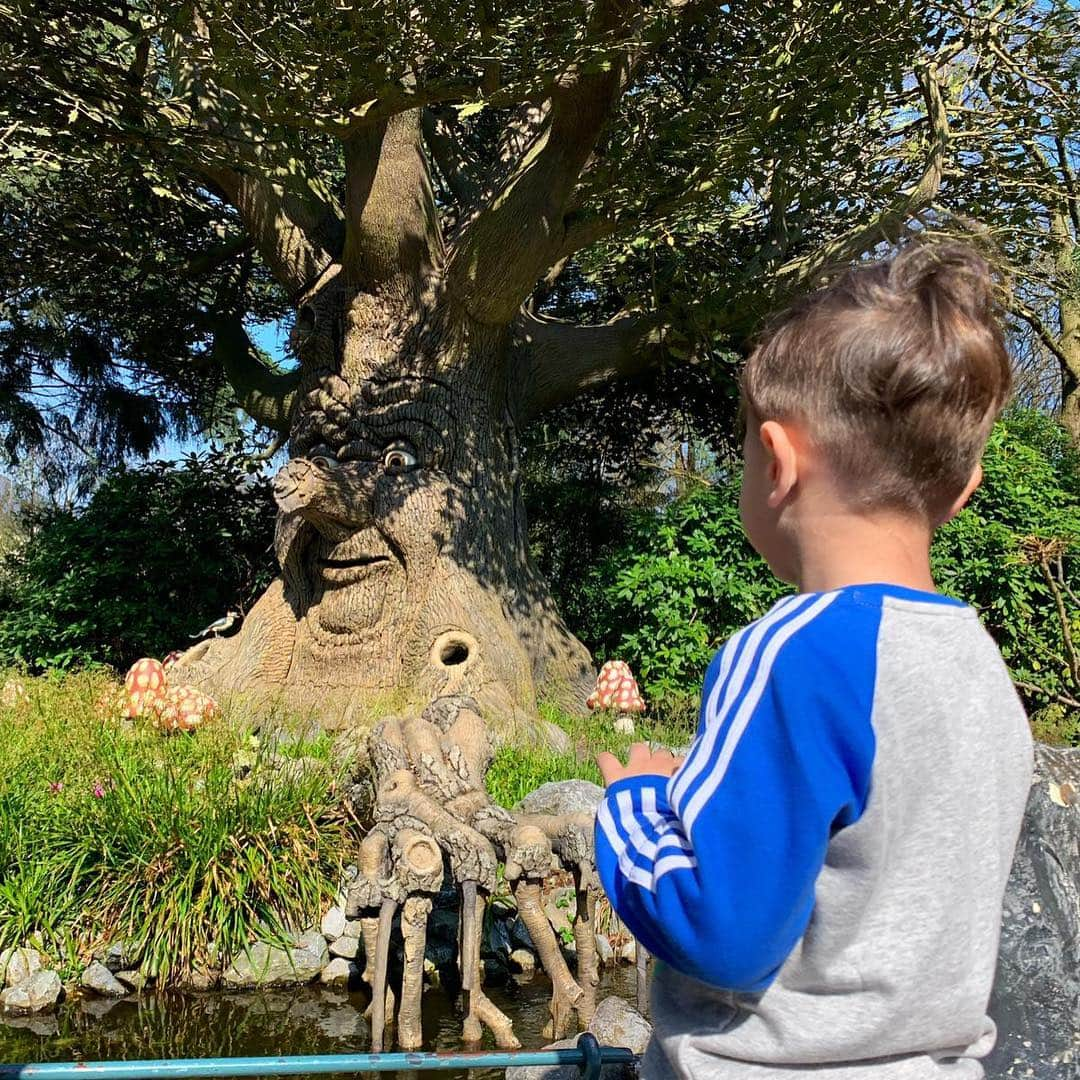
(267, 396)
(457, 168)
(517, 235)
(292, 236)
(552, 362)
(392, 227)
(887, 226)
(1042, 331)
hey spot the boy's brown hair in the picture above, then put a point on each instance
(898, 370)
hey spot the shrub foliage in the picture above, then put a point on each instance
(157, 554)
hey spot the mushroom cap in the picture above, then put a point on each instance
(146, 676)
(184, 708)
(616, 688)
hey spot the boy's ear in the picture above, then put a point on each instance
(969, 490)
(783, 461)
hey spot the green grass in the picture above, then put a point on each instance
(517, 770)
(111, 830)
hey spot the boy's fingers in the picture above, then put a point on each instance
(640, 754)
(610, 766)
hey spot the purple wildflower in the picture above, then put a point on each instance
(56, 787)
(99, 791)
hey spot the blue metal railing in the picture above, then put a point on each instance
(588, 1055)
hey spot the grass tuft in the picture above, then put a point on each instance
(517, 770)
(189, 847)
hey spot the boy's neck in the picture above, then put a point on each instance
(841, 548)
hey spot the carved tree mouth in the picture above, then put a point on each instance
(360, 560)
(338, 572)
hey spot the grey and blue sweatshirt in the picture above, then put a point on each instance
(822, 879)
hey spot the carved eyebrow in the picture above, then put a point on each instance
(374, 434)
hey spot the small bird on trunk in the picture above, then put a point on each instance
(219, 626)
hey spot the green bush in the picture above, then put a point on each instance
(686, 577)
(111, 830)
(682, 583)
(991, 555)
(157, 554)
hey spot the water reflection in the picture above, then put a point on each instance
(307, 1020)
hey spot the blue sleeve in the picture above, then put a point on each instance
(714, 870)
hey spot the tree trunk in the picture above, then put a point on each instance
(1070, 368)
(401, 534)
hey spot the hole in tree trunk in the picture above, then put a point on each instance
(453, 650)
(454, 653)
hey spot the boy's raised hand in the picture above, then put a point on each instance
(643, 761)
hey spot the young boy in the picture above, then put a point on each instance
(821, 880)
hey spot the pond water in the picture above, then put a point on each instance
(303, 1020)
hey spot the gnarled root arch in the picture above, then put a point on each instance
(433, 818)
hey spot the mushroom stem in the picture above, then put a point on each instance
(414, 917)
(379, 994)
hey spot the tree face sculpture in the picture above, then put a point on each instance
(400, 533)
(410, 181)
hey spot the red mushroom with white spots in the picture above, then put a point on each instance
(147, 695)
(617, 689)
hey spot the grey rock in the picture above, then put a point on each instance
(605, 954)
(314, 943)
(40, 991)
(339, 972)
(119, 956)
(133, 980)
(345, 947)
(565, 1072)
(555, 738)
(563, 797)
(441, 946)
(333, 923)
(1036, 997)
(199, 979)
(615, 1023)
(100, 979)
(496, 938)
(268, 965)
(628, 952)
(18, 965)
(523, 960)
(354, 928)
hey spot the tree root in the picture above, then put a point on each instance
(585, 942)
(565, 992)
(481, 1010)
(414, 917)
(381, 997)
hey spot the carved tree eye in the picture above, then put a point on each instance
(398, 459)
